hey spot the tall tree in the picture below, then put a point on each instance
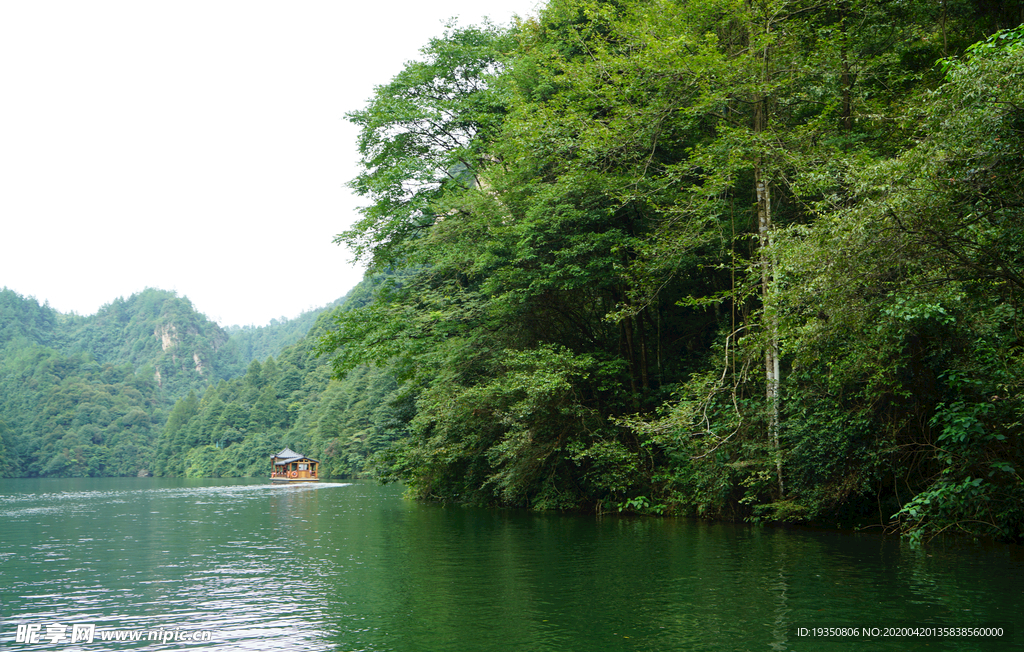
(422, 134)
(635, 207)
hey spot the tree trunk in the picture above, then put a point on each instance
(762, 189)
(846, 80)
(771, 352)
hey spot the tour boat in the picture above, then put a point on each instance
(290, 467)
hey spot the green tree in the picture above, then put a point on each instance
(421, 134)
(913, 316)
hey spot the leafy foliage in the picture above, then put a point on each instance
(754, 260)
(724, 258)
(88, 396)
(291, 400)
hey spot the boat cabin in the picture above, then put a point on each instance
(289, 466)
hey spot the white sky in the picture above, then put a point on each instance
(194, 145)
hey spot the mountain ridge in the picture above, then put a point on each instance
(88, 395)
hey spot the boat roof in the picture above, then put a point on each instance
(288, 455)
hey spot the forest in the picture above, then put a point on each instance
(293, 400)
(90, 395)
(745, 259)
(739, 259)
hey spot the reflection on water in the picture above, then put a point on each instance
(356, 567)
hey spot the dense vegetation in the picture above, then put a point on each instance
(261, 342)
(88, 396)
(291, 400)
(736, 259)
(715, 257)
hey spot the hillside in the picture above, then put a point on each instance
(261, 342)
(87, 395)
(744, 260)
(292, 400)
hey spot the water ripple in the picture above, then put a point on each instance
(275, 568)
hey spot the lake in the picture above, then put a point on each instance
(242, 565)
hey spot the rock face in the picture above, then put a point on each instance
(188, 348)
(167, 334)
(183, 344)
(170, 341)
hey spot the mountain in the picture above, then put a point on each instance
(87, 395)
(293, 400)
(261, 342)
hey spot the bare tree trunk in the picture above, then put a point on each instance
(771, 352)
(847, 101)
(627, 331)
(762, 188)
(846, 80)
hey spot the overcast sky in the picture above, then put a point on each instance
(194, 145)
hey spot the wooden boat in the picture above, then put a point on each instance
(289, 467)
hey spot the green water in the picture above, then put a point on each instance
(356, 567)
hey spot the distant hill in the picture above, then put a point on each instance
(87, 395)
(293, 400)
(261, 342)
